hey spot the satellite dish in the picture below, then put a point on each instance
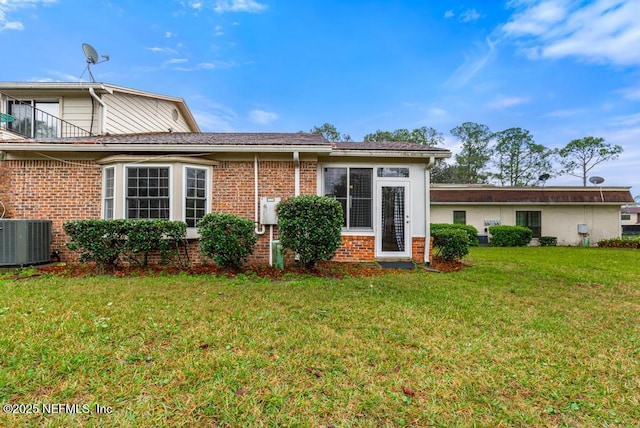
(544, 177)
(595, 180)
(90, 53)
(92, 58)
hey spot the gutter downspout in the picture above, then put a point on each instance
(257, 230)
(296, 163)
(103, 122)
(427, 209)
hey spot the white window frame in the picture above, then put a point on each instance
(207, 190)
(125, 184)
(177, 188)
(348, 167)
(112, 198)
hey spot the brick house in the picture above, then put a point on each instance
(383, 187)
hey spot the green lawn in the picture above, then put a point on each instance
(522, 337)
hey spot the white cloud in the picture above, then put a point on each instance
(472, 65)
(262, 117)
(564, 113)
(218, 30)
(469, 15)
(9, 7)
(632, 93)
(157, 49)
(251, 6)
(177, 61)
(169, 35)
(603, 31)
(505, 102)
(197, 5)
(449, 14)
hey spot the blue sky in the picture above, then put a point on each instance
(563, 69)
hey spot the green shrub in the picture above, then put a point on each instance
(311, 226)
(101, 241)
(620, 243)
(146, 236)
(451, 243)
(471, 231)
(548, 241)
(510, 236)
(226, 238)
(108, 242)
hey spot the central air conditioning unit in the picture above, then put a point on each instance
(25, 242)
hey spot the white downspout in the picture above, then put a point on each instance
(296, 163)
(103, 122)
(258, 231)
(427, 209)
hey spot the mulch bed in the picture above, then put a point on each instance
(322, 269)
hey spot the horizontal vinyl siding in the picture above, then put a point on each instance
(134, 114)
(78, 112)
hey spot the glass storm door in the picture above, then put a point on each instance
(393, 236)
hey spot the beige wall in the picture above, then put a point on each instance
(558, 220)
(128, 114)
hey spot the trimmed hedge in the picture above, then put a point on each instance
(451, 243)
(510, 236)
(311, 226)
(548, 241)
(471, 231)
(620, 243)
(109, 242)
(226, 238)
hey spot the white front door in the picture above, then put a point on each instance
(393, 222)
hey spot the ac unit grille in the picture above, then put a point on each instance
(25, 242)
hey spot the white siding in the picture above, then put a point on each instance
(77, 111)
(135, 114)
(560, 221)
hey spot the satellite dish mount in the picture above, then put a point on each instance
(596, 181)
(92, 58)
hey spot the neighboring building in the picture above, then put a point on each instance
(630, 220)
(568, 213)
(383, 187)
(63, 110)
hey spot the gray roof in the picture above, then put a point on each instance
(386, 145)
(187, 138)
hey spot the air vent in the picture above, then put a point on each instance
(25, 242)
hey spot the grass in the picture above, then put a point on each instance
(523, 337)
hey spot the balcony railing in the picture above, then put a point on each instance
(21, 117)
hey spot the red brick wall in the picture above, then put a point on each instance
(234, 192)
(51, 190)
(63, 191)
(356, 249)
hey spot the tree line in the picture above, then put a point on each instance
(510, 157)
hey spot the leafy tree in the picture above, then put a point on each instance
(443, 172)
(472, 161)
(330, 133)
(580, 156)
(425, 135)
(520, 160)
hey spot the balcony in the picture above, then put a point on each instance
(26, 119)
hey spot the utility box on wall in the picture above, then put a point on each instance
(268, 210)
(583, 229)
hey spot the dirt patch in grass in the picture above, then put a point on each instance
(323, 269)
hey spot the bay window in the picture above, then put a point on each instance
(173, 190)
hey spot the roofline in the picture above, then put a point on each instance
(106, 88)
(483, 187)
(183, 148)
(391, 153)
(617, 204)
